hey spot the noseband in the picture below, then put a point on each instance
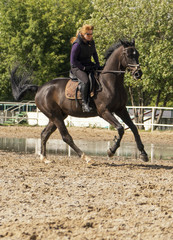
(133, 68)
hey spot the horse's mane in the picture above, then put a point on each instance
(114, 46)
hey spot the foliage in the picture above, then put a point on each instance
(150, 23)
(36, 33)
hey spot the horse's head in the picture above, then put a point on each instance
(129, 59)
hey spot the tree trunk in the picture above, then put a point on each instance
(141, 110)
(157, 103)
(138, 113)
(158, 118)
(132, 101)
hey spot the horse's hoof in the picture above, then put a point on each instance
(144, 157)
(47, 161)
(110, 153)
(44, 159)
(87, 159)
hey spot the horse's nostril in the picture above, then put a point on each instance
(138, 74)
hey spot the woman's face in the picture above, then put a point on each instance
(88, 35)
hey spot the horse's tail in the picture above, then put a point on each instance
(21, 84)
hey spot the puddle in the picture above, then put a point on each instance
(95, 148)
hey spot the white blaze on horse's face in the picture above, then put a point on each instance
(132, 55)
(133, 66)
(134, 52)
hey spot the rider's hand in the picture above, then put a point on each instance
(88, 69)
(98, 67)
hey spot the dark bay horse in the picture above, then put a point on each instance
(50, 99)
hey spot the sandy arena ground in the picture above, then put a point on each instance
(112, 199)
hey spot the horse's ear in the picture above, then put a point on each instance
(123, 42)
(133, 42)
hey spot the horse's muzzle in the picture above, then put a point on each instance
(137, 74)
(135, 70)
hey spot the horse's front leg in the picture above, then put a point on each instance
(109, 117)
(124, 115)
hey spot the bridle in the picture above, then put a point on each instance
(133, 68)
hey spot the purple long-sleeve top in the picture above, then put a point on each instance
(74, 57)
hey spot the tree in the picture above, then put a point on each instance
(150, 23)
(36, 34)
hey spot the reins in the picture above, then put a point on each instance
(99, 71)
(111, 71)
(62, 73)
(120, 72)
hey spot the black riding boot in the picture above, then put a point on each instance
(85, 92)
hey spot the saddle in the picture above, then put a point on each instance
(72, 90)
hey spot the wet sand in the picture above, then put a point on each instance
(87, 134)
(69, 199)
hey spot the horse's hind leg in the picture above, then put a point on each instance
(59, 122)
(48, 130)
(124, 115)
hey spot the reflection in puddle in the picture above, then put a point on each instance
(56, 146)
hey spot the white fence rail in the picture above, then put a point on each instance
(10, 110)
(150, 120)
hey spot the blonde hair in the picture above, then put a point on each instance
(82, 31)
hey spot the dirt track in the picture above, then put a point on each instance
(68, 199)
(87, 133)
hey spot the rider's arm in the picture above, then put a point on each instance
(74, 62)
(95, 56)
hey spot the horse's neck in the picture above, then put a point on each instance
(113, 63)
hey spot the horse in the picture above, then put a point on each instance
(109, 101)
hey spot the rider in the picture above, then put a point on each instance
(83, 48)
